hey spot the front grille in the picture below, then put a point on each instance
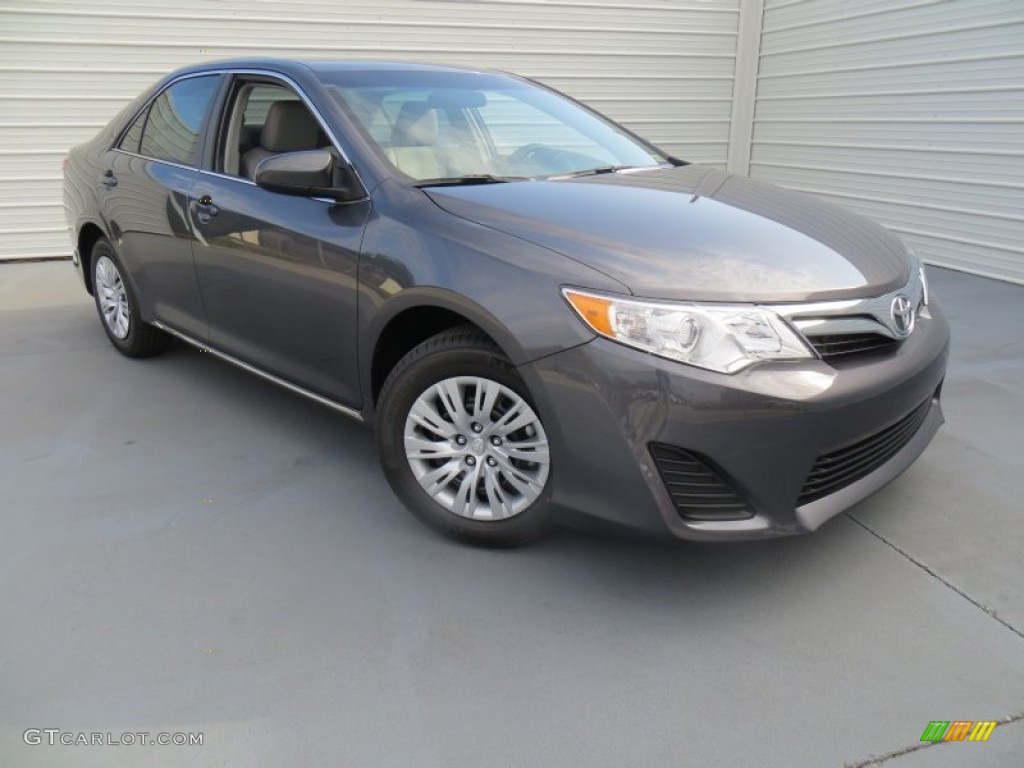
(698, 491)
(846, 345)
(839, 468)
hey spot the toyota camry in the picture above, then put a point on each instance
(543, 316)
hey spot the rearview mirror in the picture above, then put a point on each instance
(456, 98)
(310, 173)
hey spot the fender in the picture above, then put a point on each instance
(428, 297)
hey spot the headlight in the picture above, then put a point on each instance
(915, 260)
(720, 337)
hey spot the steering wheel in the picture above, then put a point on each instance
(526, 153)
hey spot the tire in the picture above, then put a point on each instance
(118, 307)
(474, 440)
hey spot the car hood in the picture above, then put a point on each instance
(694, 233)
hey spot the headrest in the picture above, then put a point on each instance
(416, 126)
(289, 128)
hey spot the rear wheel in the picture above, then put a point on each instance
(462, 444)
(119, 309)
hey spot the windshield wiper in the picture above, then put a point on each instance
(593, 171)
(603, 169)
(475, 178)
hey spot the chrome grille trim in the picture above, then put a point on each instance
(872, 315)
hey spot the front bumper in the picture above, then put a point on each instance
(762, 429)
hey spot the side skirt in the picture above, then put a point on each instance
(333, 404)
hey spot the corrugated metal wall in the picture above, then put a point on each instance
(911, 112)
(662, 67)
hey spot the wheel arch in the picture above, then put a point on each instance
(414, 319)
(88, 235)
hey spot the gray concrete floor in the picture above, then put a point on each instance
(187, 548)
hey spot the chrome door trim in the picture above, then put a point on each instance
(149, 159)
(333, 404)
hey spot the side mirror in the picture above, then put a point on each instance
(311, 173)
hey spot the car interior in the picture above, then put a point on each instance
(289, 127)
(423, 140)
(267, 120)
(417, 150)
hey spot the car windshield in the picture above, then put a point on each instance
(445, 127)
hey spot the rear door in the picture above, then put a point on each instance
(278, 272)
(144, 185)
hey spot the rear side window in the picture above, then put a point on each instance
(130, 140)
(171, 125)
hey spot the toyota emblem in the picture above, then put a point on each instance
(902, 315)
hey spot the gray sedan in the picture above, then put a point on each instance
(543, 316)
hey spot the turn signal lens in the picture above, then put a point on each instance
(594, 311)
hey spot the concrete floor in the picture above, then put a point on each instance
(187, 548)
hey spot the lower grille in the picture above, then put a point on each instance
(839, 468)
(698, 491)
(845, 345)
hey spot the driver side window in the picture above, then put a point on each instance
(265, 119)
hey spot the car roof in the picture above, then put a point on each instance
(321, 66)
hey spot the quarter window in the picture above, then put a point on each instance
(130, 140)
(173, 121)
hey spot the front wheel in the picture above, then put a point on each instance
(461, 443)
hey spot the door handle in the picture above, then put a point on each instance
(204, 209)
(108, 180)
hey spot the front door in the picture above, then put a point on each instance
(278, 273)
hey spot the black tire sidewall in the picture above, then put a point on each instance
(405, 385)
(142, 340)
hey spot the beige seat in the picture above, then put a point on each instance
(463, 153)
(289, 128)
(414, 149)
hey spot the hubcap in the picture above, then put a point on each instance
(113, 298)
(451, 447)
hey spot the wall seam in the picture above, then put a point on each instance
(744, 93)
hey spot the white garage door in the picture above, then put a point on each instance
(662, 67)
(907, 110)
